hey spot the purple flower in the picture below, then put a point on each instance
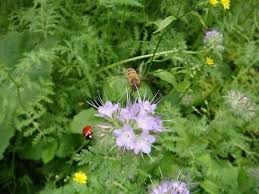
(107, 109)
(212, 36)
(164, 187)
(145, 122)
(148, 123)
(214, 39)
(131, 124)
(125, 137)
(157, 124)
(143, 143)
(129, 112)
(146, 106)
(171, 187)
(180, 187)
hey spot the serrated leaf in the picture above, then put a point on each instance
(164, 23)
(85, 117)
(14, 44)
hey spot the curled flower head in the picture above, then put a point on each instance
(80, 177)
(171, 187)
(107, 109)
(225, 4)
(214, 40)
(241, 105)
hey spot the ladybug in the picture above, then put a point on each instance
(87, 132)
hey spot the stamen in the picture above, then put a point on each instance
(171, 121)
(154, 96)
(145, 94)
(112, 147)
(150, 157)
(91, 104)
(138, 92)
(157, 101)
(127, 94)
(151, 181)
(196, 191)
(96, 103)
(99, 97)
(179, 175)
(160, 172)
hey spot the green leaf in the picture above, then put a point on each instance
(165, 76)
(49, 150)
(243, 181)
(30, 151)
(85, 117)
(210, 187)
(164, 23)
(182, 86)
(68, 143)
(115, 87)
(8, 105)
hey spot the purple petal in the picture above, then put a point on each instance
(107, 109)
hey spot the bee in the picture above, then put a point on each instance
(133, 78)
(87, 132)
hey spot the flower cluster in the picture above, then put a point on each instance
(241, 105)
(214, 40)
(134, 125)
(225, 3)
(171, 187)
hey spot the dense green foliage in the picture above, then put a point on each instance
(56, 54)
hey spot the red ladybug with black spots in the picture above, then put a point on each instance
(87, 132)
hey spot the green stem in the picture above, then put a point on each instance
(154, 53)
(77, 150)
(179, 8)
(191, 85)
(161, 37)
(147, 56)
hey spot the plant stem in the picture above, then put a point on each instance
(154, 53)
(147, 56)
